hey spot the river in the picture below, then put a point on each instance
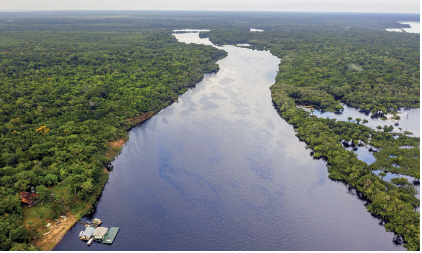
(415, 27)
(221, 170)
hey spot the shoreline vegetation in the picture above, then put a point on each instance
(49, 241)
(364, 69)
(56, 232)
(68, 102)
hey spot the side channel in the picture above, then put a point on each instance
(220, 170)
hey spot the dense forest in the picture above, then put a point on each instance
(74, 82)
(65, 96)
(378, 72)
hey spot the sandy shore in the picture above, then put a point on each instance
(49, 241)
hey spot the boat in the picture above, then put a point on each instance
(96, 222)
(110, 235)
(90, 241)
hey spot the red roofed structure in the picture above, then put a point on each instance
(29, 198)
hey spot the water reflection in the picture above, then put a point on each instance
(363, 154)
(394, 29)
(243, 45)
(366, 155)
(415, 27)
(220, 170)
(410, 119)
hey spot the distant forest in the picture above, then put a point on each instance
(73, 82)
(330, 61)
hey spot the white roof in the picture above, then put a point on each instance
(88, 232)
(100, 231)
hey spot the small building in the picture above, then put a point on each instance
(87, 234)
(99, 233)
(29, 198)
(96, 222)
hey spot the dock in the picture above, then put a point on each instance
(95, 233)
(110, 235)
(99, 233)
(86, 235)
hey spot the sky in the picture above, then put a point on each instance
(383, 6)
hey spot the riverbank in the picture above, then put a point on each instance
(220, 170)
(50, 240)
(323, 138)
(60, 137)
(53, 235)
(305, 78)
(56, 233)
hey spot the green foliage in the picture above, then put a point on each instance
(23, 247)
(70, 86)
(394, 204)
(392, 158)
(18, 234)
(370, 69)
(43, 192)
(66, 95)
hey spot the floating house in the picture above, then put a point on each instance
(110, 235)
(94, 233)
(87, 234)
(99, 233)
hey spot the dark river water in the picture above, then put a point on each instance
(220, 170)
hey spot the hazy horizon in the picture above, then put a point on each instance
(345, 6)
